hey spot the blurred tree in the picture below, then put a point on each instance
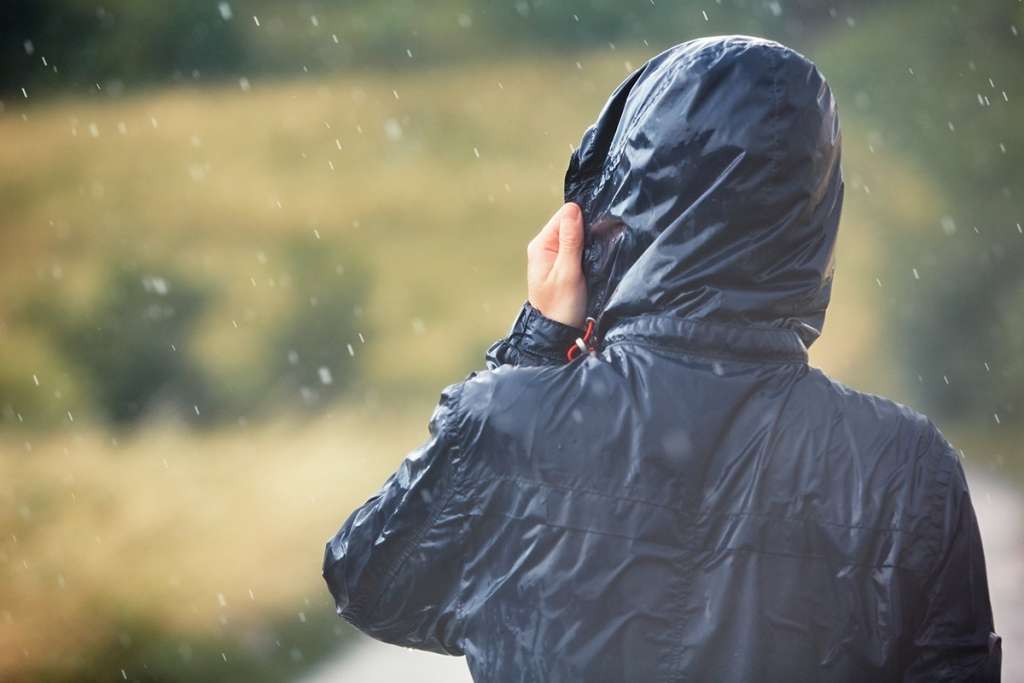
(132, 345)
(312, 356)
(69, 43)
(130, 42)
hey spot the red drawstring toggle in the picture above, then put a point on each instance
(582, 343)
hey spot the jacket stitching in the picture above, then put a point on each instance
(706, 514)
(780, 359)
(756, 551)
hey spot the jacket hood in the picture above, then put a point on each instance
(711, 189)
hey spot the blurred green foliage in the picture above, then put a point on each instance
(941, 87)
(124, 42)
(131, 346)
(312, 355)
(56, 43)
(132, 349)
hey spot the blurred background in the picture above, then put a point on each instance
(244, 244)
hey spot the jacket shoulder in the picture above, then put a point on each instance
(489, 393)
(876, 417)
(901, 448)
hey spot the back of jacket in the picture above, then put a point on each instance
(695, 503)
(688, 500)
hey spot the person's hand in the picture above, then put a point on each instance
(554, 268)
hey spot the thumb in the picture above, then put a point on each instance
(570, 236)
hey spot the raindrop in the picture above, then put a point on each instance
(225, 10)
(392, 129)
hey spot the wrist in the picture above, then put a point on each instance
(538, 335)
(562, 315)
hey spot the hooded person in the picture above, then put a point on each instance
(674, 493)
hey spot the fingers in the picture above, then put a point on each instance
(554, 269)
(570, 237)
(547, 238)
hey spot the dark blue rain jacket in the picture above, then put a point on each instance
(690, 500)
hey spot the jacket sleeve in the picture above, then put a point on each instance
(533, 340)
(955, 639)
(394, 566)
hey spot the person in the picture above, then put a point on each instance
(648, 482)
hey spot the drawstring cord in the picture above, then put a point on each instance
(582, 344)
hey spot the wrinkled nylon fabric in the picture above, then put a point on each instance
(690, 501)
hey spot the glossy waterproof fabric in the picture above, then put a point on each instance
(690, 501)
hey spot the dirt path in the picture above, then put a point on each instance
(1000, 514)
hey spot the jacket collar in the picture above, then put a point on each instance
(702, 337)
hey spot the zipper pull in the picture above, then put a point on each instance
(582, 344)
